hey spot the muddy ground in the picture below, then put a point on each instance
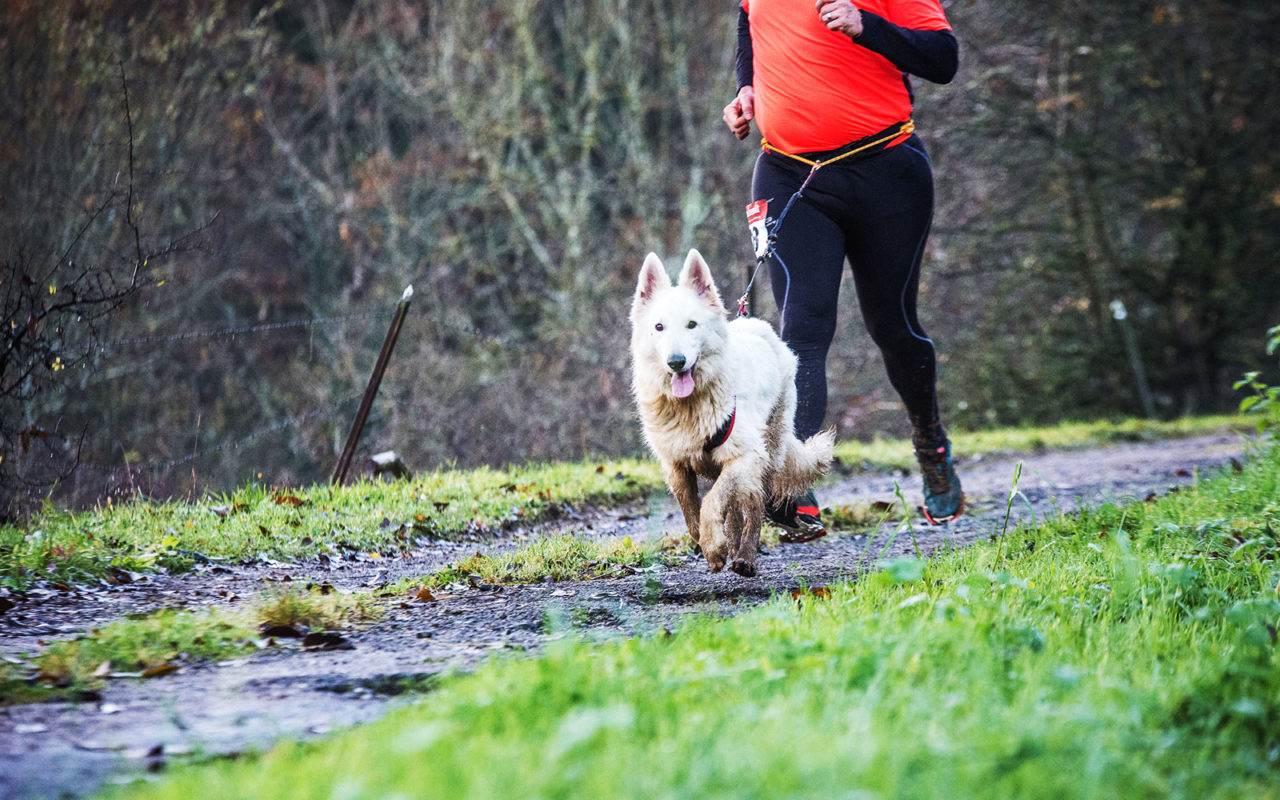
(136, 727)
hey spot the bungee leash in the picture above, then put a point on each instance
(765, 237)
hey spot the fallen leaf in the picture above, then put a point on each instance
(424, 595)
(160, 669)
(326, 640)
(271, 630)
(820, 592)
(287, 500)
(143, 751)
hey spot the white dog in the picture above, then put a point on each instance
(716, 400)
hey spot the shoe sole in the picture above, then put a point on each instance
(800, 538)
(942, 520)
(799, 534)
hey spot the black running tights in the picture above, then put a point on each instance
(876, 212)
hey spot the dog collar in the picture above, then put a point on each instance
(722, 433)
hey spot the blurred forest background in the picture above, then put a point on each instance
(208, 211)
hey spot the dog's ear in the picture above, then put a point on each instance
(653, 279)
(696, 275)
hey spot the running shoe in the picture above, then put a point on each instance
(799, 518)
(943, 499)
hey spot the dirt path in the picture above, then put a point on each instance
(69, 749)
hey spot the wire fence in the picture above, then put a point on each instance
(336, 410)
(219, 457)
(226, 333)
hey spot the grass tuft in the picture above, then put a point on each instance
(552, 559)
(317, 609)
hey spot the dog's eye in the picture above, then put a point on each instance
(692, 324)
(658, 327)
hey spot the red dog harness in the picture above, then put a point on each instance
(722, 433)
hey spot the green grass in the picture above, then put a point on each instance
(552, 559)
(373, 519)
(890, 454)
(368, 519)
(860, 518)
(1121, 652)
(157, 643)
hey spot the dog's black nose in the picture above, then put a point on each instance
(676, 362)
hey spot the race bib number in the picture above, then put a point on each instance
(757, 213)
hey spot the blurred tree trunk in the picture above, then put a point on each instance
(1173, 161)
(1157, 122)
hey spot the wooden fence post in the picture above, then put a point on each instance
(371, 391)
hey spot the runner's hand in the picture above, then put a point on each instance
(841, 16)
(739, 113)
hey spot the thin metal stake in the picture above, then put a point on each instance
(1135, 358)
(371, 391)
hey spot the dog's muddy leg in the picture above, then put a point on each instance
(715, 544)
(743, 510)
(683, 483)
(733, 532)
(750, 516)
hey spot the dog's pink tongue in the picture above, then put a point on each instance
(682, 383)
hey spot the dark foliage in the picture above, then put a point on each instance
(515, 163)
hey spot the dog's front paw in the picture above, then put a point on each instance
(716, 558)
(743, 567)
